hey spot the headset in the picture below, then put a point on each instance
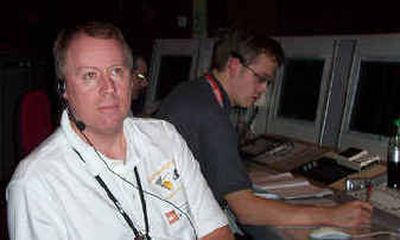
(60, 91)
(61, 87)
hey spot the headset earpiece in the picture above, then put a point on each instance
(60, 87)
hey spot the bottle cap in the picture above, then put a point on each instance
(396, 122)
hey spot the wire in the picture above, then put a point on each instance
(377, 233)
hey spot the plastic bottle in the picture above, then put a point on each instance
(393, 158)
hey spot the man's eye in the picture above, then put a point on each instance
(90, 75)
(266, 79)
(117, 72)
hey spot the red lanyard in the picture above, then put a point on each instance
(216, 89)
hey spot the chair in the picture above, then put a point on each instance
(35, 123)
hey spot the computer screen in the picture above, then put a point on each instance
(372, 102)
(297, 97)
(300, 88)
(173, 70)
(173, 61)
(376, 99)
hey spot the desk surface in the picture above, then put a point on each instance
(303, 152)
(364, 233)
(384, 226)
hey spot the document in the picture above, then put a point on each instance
(287, 186)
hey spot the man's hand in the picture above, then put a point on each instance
(253, 210)
(351, 214)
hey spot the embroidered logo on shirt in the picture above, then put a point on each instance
(172, 216)
(167, 178)
(165, 183)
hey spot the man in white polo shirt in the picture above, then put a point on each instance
(102, 175)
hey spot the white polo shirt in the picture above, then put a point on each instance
(53, 193)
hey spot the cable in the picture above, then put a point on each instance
(142, 200)
(377, 233)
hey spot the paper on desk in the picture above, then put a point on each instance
(286, 186)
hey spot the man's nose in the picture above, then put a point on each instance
(262, 87)
(108, 84)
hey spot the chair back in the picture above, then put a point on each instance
(35, 120)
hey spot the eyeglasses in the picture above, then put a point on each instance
(91, 77)
(261, 79)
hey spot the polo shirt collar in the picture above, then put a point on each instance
(225, 98)
(94, 164)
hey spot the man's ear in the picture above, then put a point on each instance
(233, 64)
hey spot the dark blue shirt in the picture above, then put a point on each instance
(210, 134)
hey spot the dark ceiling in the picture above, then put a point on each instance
(32, 25)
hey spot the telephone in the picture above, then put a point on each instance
(354, 158)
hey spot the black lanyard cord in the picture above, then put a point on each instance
(118, 206)
(143, 202)
(138, 235)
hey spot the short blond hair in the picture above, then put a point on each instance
(102, 30)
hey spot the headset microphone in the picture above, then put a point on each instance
(79, 124)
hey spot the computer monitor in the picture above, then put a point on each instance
(373, 94)
(173, 61)
(296, 101)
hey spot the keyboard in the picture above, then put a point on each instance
(324, 170)
(265, 146)
(383, 198)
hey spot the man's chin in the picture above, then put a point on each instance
(111, 124)
(248, 105)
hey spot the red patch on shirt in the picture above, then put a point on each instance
(172, 216)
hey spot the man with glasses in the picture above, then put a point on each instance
(243, 67)
(101, 175)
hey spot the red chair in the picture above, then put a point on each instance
(35, 120)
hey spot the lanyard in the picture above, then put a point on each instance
(216, 89)
(138, 234)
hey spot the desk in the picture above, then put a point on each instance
(364, 233)
(382, 221)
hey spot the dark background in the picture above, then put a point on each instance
(30, 26)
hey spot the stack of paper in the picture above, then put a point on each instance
(286, 186)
